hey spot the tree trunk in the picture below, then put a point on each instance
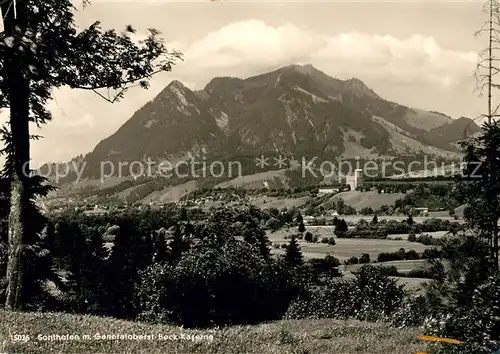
(18, 95)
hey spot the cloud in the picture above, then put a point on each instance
(418, 64)
(255, 44)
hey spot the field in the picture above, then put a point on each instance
(346, 248)
(255, 180)
(171, 193)
(374, 200)
(279, 203)
(281, 337)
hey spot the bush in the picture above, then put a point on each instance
(390, 271)
(427, 240)
(273, 224)
(214, 286)
(352, 260)
(329, 240)
(400, 255)
(431, 253)
(327, 266)
(412, 312)
(370, 296)
(477, 323)
(411, 255)
(420, 273)
(308, 237)
(365, 258)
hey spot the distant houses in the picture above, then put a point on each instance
(308, 219)
(96, 211)
(328, 190)
(421, 211)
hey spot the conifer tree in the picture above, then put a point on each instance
(92, 290)
(302, 227)
(160, 254)
(123, 271)
(177, 246)
(299, 219)
(254, 235)
(293, 254)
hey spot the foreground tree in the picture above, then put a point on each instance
(40, 49)
(463, 295)
(482, 188)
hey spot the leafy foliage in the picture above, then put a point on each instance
(370, 296)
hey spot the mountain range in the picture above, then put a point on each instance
(294, 111)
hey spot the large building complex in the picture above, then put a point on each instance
(355, 179)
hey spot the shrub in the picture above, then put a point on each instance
(477, 321)
(411, 255)
(327, 266)
(371, 296)
(431, 253)
(412, 312)
(273, 224)
(331, 241)
(420, 273)
(427, 240)
(214, 286)
(365, 258)
(308, 237)
(352, 260)
(390, 271)
(400, 255)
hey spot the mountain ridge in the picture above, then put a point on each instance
(295, 110)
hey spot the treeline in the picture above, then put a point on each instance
(400, 255)
(416, 180)
(224, 193)
(381, 229)
(160, 266)
(165, 266)
(320, 205)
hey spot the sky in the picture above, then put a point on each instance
(421, 54)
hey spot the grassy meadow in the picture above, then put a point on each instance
(281, 337)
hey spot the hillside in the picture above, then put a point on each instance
(459, 128)
(374, 200)
(305, 336)
(294, 111)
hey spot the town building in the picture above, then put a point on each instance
(355, 179)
